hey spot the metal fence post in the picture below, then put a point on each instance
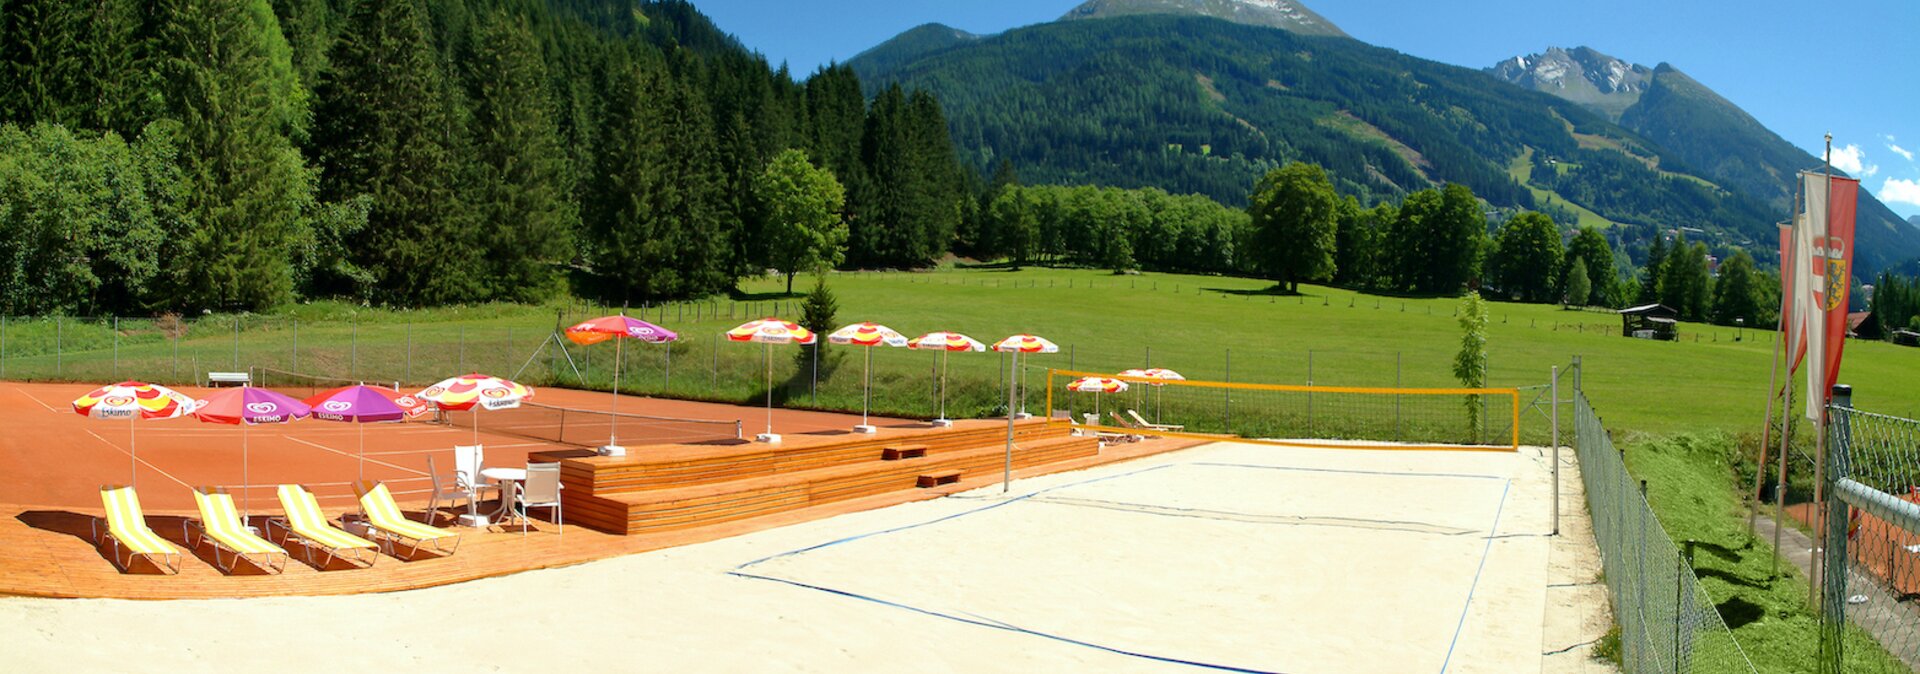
(716, 356)
(236, 342)
(1228, 428)
(116, 347)
(409, 354)
(1309, 392)
(59, 348)
(1398, 433)
(1069, 356)
(813, 394)
(295, 366)
(353, 348)
(1554, 455)
(460, 360)
(668, 385)
(3, 347)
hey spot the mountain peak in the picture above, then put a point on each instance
(1288, 15)
(1582, 75)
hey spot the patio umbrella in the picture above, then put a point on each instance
(945, 343)
(619, 328)
(1016, 345)
(132, 400)
(361, 405)
(475, 392)
(1097, 386)
(868, 334)
(770, 331)
(248, 406)
(1159, 373)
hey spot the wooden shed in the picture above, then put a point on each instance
(1650, 321)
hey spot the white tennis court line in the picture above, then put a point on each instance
(516, 445)
(356, 456)
(29, 396)
(136, 457)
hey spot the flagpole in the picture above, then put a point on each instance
(1820, 420)
(1793, 336)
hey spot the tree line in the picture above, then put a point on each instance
(1440, 241)
(241, 154)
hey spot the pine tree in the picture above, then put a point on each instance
(522, 195)
(1656, 259)
(229, 81)
(385, 131)
(1734, 295)
(1590, 247)
(1579, 288)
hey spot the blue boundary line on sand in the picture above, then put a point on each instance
(1484, 553)
(741, 570)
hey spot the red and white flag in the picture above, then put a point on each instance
(1823, 276)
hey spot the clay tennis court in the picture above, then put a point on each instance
(53, 458)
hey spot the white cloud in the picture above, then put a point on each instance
(1895, 190)
(1854, 161)
(1908, 154)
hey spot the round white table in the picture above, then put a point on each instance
(501, 476)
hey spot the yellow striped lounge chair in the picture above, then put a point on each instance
(385, 520)
(126, 528)
(305, 522)
(220, 525)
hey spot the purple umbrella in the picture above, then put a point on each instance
(362, 404)
(247, 406)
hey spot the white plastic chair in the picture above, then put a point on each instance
(541, 489)
(468, 461)
(447, 490)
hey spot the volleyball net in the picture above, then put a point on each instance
(1343, 417)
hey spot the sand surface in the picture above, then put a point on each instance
(1264, 558)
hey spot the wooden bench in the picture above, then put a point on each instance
(217, 378)
(899, 452)
(937, 479)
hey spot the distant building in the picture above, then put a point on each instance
(1650, 321)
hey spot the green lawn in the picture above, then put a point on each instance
(1678, 408)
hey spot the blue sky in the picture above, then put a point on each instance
(1761, 54)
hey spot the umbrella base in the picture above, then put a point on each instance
(865, 429)
(942, 423)
(769, 438)
(1022, 415)
(478, 520)
(611, 450)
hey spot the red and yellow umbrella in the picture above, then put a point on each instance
(132, 400)
(1158, 377)
(868, 334)
(1024, 343)
(945, 343)
(770, 331)
(1097, 386)
(475, 392)
(472, 390)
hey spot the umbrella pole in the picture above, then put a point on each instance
(768, 351)
(943, 383)
(1006, 474)
(246, 478)
(133, 453)
(362, 470)
(613, 432)
(866, 392)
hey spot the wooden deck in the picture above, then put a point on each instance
(677, 487)
(47, 552)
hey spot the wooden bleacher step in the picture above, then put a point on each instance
(937, 479)
(898, 452)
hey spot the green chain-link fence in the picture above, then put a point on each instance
(1668, 623)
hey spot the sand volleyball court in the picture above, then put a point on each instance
(1222, 557)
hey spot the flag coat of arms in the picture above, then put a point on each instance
(1822, 278)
